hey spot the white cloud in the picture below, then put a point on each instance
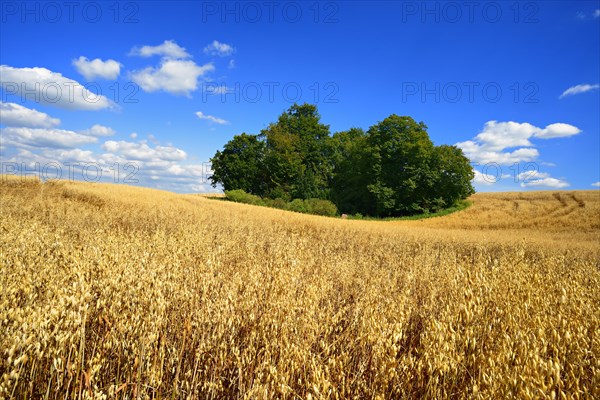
(47, 156)
(141, 151)
(597, 184)
(536, 178)
(211, 118)
(175, 73)
(477, 153)
(51, 88)
(546, 182)
(532, 175)
(597, 13)
(231, 64)
(46, 151)
(168, 49)
(133, 135)
(484, 179)
(497, 136)
(217, 48)
(508, 158)
(96, 68)
(99, 130)
(64, 155)
(557, 130)
(578, 89)
(41, 137)
(12, 114)
(173, 76)
(490, 144)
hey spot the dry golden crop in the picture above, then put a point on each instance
(110, 291)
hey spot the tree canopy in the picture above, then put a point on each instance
(392, 169)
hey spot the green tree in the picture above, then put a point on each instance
(283, 162)
(393, 169)
(351, 172)
(453, 175)
(298, 157)
(400, 166)
(241, 165)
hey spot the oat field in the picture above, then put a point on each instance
(115, 292)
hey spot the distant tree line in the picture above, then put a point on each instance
(392, 169)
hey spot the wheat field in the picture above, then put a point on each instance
(115, 292)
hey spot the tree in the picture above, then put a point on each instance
(350, 172)
(241, 165)
(298, 154)
(400, 166)
(393, 169)
(453, 175)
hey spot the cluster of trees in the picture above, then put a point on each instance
(392, 169)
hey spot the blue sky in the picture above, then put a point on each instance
(146, 92)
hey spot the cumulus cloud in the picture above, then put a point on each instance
(491, 143)
(217, 48)
(211, 118)
(48, 156)
(174, 76)
(162, 167)
(597, 184)
(536, 178)
(141, 151)
(176, 73)
(96, 68)
(578, 89)
(51, 88)
(57, 153)
(153, 171)
(12, 114)
(69, 155)
(531, 175)
(557, 130)
(484, 179)
(546, 182)
(168, 49)
(504, 157)
(42, 137)
(497, 136)
(99, 130)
